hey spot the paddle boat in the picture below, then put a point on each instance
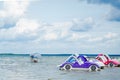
(79, 63)
(107, 60)
(101, 64)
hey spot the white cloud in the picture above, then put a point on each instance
(107, 37)
(14, 8)
(55, 31)
(24, 27)
(13, 25)
(78, 37)
(110, 35)
(12, 11)
(2, 14)
(95, 39)
(64, 31)
(51, 36)
(82, 25)
(62, 28)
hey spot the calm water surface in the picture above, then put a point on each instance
(20, 68)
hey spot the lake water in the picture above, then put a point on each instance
(20, 68)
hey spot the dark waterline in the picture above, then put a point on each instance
(68, 54)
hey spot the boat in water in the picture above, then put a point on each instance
(35, 57)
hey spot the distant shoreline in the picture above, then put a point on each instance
(90, 54)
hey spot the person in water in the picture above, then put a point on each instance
(34, 58)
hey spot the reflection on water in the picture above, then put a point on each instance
(20, 68)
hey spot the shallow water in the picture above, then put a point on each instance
(20, 68)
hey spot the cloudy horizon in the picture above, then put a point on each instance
(60, 26)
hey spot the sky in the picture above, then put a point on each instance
(60, 26)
